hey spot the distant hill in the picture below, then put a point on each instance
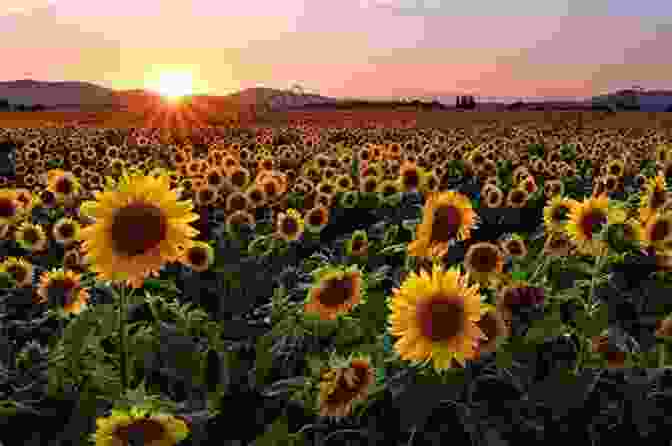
(58, 94)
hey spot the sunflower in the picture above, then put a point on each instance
(316, 218)
(237, 201)
(411, 177)
(31, 237)
(236, 220)
(344, 385)
(588, 218)
(556, 213)
(10, 207)
(553, 188)
(290, 225)
(494, 327)
(435, 318)
(616, 167)
(517, 198)
(63, 184)
(126, 427)
(62, 289)
(485, 262)
(336, 292)
(199, 257)
(514, 247)
(614, 355)
(657, 231)
(206, 195)
(558, 244)
(447, 216)
(65, 231)
(611, 183)
(653, 198)
(493, 197)
(20, 270)
(529, 184)
(138, 228)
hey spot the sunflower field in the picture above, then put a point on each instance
(335, 285)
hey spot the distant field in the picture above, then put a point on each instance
(347, 117)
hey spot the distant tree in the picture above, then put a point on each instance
(669, 108)
(4, 104)
(38, 107)
(21, 107)
(515, 106)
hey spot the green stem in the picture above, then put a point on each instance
(662, 355)
(593, 281)
(123, 351)
(542, 267)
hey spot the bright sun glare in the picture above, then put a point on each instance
(173, 85)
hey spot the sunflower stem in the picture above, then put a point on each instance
(542, 267)
(123, 353)
(662, 355)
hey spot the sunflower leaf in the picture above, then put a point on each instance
(393, 249)
(551, 326)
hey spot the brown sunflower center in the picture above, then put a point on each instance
(593, 223)
(661, 230)
(316, 218)
(60, 291)
(518, 197)
(446, 223)
(560, 214)
(411, 179)
(370, 185)
(142, 431)
(488, 325)
(658, 198)
(197, 255)
(66, 230)
(514, 247)
(205, 195)
(7, 207)
(238, 178)
(137, 228)
(484, 259)
(440, 319)
(289, 226)
(18, 273)
(238, 202)
(336, 291)
(358, 245)
(349, 384)
(31, 236)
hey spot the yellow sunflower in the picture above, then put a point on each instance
(335, 292)
(155, 429)
(435, 318)
(587, 219)
(447, 216)
(556, 213)
(138, 228)
(653, 197)
(62, 289)
(657, 231)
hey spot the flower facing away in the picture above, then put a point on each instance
(587, 219)
(653, 197)
(657, 232)
(336, 292)
(138, 228)
(435, 318)
(341, 387)
(123, 428)
(20, 270)
(485, 262)
(62, 289)
(447, 217)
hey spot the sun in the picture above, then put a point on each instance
(173, 85)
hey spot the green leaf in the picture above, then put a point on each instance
(276, 435)
(74, 337)
(264, 358)
(390, 234)
(393, 249)
(549, 327)
(598, 322)
(519, 275)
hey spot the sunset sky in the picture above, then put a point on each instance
(551, 48)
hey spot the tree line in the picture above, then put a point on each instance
(6, 106)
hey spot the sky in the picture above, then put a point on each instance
(353, 48)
